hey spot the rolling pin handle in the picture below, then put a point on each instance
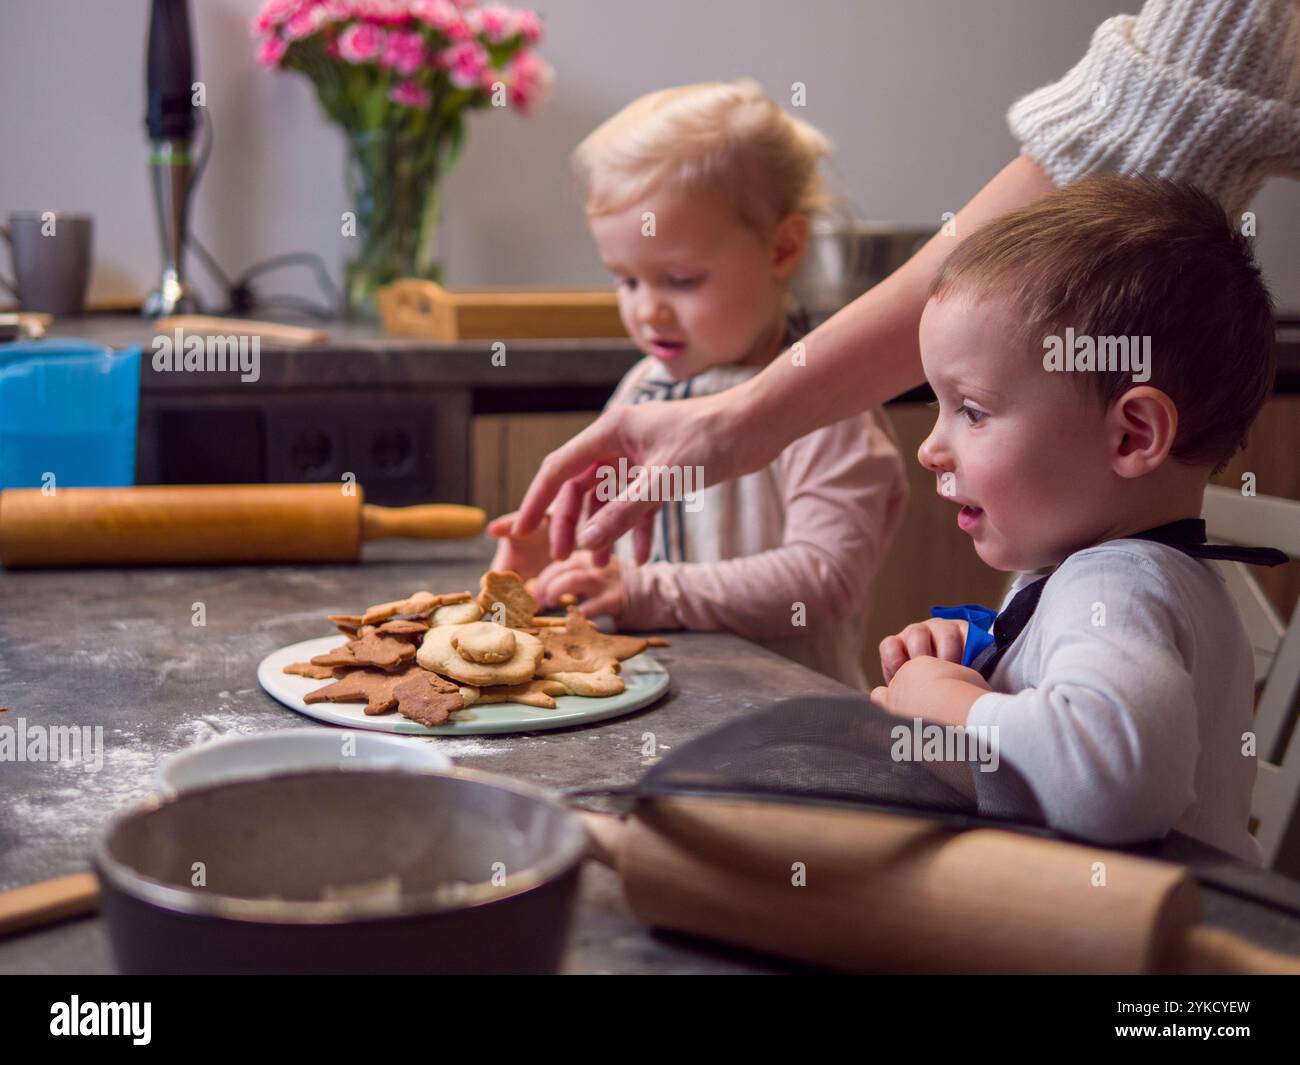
(49, 901)
(429, 521)
(1216, 951)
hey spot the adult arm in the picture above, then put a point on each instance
(872, 342)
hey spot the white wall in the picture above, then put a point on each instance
(912, 92)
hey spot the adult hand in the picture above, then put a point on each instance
(709, 434)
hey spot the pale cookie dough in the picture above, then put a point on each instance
(457, 613)
(484, 643)
(534, 693)
(439, 654)
(420, 604)
(592, 685)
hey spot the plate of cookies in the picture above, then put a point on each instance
(457, 663)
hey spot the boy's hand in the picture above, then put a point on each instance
(599, 589)
(526, 555)
(932, 689)
(941, 638)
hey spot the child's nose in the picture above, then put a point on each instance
(654, 311)
(933, 455)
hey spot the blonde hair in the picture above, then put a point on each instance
(717, 136)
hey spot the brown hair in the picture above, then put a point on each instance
(1128, 256)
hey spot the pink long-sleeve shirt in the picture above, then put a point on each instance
(785, 556)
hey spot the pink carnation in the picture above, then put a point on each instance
(383, 12)
(529, 24)
(404, 52)
(272, 14)
(530, 80)
(443, 16)
(337, 10)
(495, 21)
(304, 23)
(277, 11)
(410, 94)
(361, 41)
(465, 63)
(271, 50)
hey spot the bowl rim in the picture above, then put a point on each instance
(120, 877)
(437, 760)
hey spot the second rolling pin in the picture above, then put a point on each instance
(237, 523)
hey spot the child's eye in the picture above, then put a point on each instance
(972, 414)
(684, 283)
(628, 283)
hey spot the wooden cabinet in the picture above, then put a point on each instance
(507, 450)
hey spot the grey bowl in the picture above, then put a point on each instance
(343, 872)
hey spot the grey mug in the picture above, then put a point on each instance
(51, 255)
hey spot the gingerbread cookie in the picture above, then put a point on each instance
(370, 649)
(306, 669)
(427, 698)
(421, 604)
(367, 686)
(403, 627)
(472, 653)
(507, 588)
(580, 647)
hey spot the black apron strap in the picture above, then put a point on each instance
(1186, 534)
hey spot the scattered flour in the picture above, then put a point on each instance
(469, 747)
(59, 818)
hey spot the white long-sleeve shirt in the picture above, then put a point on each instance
(1127, 699)
(1205, 91)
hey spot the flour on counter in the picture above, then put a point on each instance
(469, 747)
(59, 818)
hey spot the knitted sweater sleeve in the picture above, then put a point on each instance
(1204, 91)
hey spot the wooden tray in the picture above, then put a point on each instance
(416, 308)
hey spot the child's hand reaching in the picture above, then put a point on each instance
(599, 589)
(940, 638)
(527, 555)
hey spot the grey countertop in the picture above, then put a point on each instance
(117, 648)
(357, 352)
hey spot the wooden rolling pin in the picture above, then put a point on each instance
(899, 894)
(168, 524)
(75, 895)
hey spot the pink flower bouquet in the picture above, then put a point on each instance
(399, 76)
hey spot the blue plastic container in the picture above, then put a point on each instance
(68, 408)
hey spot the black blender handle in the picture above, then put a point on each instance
(169, 74)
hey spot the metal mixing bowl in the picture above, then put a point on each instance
(343, 872)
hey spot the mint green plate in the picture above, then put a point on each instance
(645, 678)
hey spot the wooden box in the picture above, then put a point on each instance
(416, 308)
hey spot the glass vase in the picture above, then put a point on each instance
(393, 180)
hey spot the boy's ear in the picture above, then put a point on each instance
(1142, 425)
(789, 242)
